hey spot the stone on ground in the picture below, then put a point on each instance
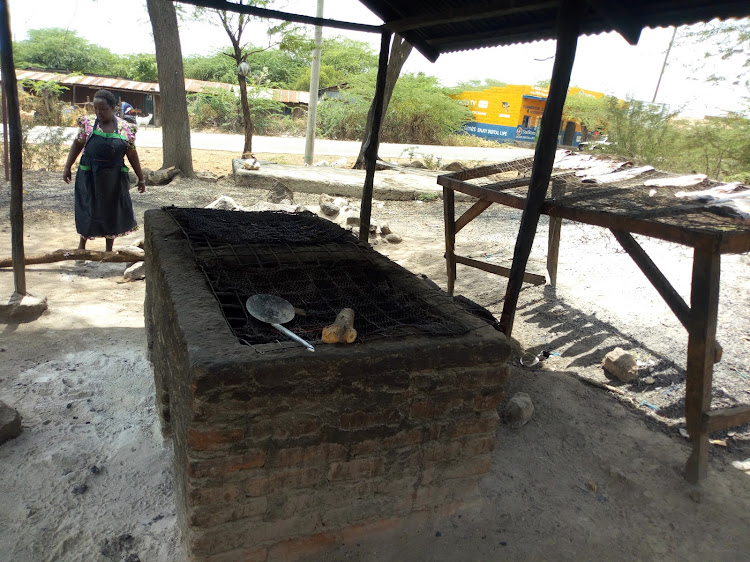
(136, 271)
(519, 410)
(621, 365)
(393, 238)
(223, 203)
(10, 423)
(280, 193)
(23, 308)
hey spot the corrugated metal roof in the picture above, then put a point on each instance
(441, 26)
(195, 86)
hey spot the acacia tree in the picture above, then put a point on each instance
(400, 51)
(175, 122)
(235, 25)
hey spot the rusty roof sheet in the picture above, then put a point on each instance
(110, 83)
(440, 26)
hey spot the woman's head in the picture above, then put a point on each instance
(104, 105)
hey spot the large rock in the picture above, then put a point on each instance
(136, 271)
(621, 365)
(519, 410)
(23, 308)
(223, 203)
(10, 423)
(280, 193)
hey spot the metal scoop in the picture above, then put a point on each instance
(274, 311)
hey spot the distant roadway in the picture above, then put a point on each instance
(151, 138)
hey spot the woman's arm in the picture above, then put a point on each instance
(135, 162)
(75, 150)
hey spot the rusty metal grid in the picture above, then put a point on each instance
(318, 279)
(205, 227)
(319, 291)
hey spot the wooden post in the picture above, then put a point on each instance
(449, 218)
(553, 237)
(568, 29)
(371, 152)
(5, 134)
(704, 305)
(16, 163)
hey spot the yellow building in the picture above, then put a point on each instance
(513, 113)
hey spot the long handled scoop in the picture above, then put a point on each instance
(274, 311)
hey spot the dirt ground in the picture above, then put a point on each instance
(594, 475)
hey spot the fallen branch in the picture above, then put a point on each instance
(124, 255)
(602, 385)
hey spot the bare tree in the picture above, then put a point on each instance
(175, 121)
(400, 51)
(234, 24)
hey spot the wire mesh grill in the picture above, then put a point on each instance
(212, 226)
(318, 277)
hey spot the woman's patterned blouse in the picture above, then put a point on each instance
(86, 124)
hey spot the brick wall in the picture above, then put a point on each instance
(283, 453)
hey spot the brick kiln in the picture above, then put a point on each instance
(279, 450)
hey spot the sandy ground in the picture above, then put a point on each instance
(592, 476)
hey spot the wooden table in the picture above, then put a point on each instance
(627, 208)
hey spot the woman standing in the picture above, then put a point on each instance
(102, 190)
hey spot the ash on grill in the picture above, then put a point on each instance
(314, 264)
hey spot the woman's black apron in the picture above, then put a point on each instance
(102, 192)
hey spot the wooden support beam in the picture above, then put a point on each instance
(10, 86)
(490, 169)
(449, 214)
(704, 304)
(286, 16)
(553, 236)
(724, 418)
(471, 213)
(531, 278)
(657, 279)
(371, 150)
(568, 29)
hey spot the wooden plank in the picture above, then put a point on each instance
(371, 150)
(471, 213)
(568, 29)
(531, 278)
(655, 276)
(450, 236)
(501, 197)
(724, 418)
(490, 169)
(704, 304)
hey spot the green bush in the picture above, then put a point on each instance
(420, 111)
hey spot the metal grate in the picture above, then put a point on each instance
(318, 276)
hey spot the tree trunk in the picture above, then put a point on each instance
(175, 122)
(246, 118)
(14, 148)
(400, 51)
(123, 255)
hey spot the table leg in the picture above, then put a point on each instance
(449, 218)
(704, 304)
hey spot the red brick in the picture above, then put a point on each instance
(358, 468)
(357, 532)
(211, 515)
(434, 408)
(298, 549)
(238, 555)
(400, 439)
(212, 439)
(226, 465)
(300, 456)
(484, 424)
(206, 496)
(363, 420)
(489, 402)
